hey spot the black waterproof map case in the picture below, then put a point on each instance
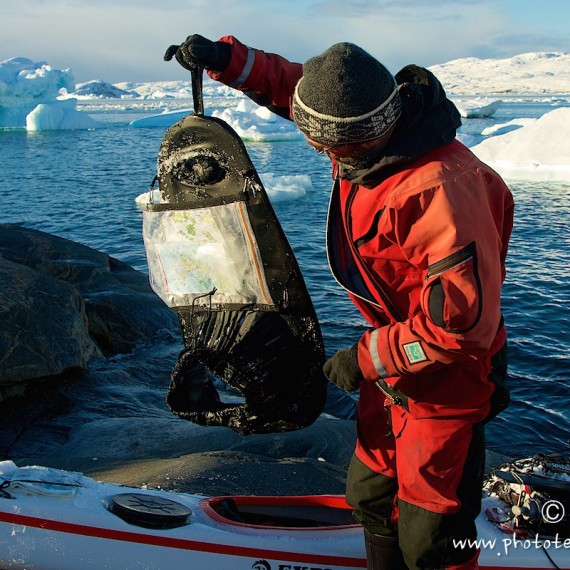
(218, 256)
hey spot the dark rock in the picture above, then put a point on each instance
(62, 303)
(43, 326)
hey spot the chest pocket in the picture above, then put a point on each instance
(452, 296)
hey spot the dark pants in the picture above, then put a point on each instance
(426, 538)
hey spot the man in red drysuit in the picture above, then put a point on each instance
(417, 234)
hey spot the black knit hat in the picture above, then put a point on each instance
(345, 96)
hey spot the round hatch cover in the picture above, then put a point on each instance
(149, 511)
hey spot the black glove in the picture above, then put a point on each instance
(343, 370)
(197, 51)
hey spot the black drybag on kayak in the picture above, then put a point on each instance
(218, 256)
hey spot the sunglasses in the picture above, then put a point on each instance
(344, 150)
(336, 150)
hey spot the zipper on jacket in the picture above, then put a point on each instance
(455, 259)
(334, 191)
(388, 305)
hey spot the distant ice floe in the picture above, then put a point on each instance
(477, 107)
(162, 120)
(286, 188)
(250, 121)
(177, 90)
(278, 188)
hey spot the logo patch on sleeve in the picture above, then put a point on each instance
(415, 352)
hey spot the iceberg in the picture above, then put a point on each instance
(59, 115)
(539, 150)
(31, 97)
(254, 123)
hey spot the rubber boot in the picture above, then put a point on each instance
(383, 552)
(471, 564)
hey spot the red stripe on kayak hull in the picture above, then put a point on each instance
(180, 543)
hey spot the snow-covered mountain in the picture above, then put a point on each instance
(528, 73)
(544, 72)
(101, 89)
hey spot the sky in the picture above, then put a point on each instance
(124, 40)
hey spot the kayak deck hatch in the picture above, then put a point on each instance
(302, 512)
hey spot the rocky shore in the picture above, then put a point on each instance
(74, 328)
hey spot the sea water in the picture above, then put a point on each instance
(82, 185)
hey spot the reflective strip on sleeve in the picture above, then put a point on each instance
(373, 349)
(246, 69)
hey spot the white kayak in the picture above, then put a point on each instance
(54, 519)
